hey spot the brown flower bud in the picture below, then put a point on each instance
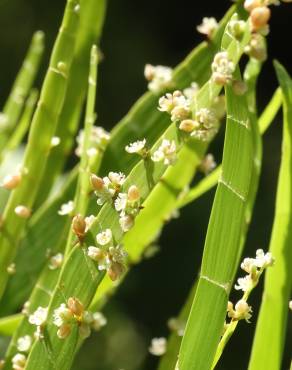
(188, 125)
(133, 193)
(115, 271)
(249, 5)
(75, 306)
(260, 17)
(11, 181)
(96, 182)
(63, 331)
(79, 225)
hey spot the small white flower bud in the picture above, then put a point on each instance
(126, 222)
(188, 125)
(11, 269)
(18, 361)
(22, 211)
(208, 26)
(10, 182)
(158, 346)
(290, 305)
(24, 343)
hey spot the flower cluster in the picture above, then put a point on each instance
(106, 188)
(159, 77)
(108, 256)
(66, 315)
(222, 68)
(260, 15)
(99, 139)
(23, 346)
(254, 267)
(128, 206)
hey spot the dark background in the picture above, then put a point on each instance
(158, 32)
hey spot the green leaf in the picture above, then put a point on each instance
(268, 345)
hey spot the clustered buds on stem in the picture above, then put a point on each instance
(99, 139)
(254, 267)
(66, 315)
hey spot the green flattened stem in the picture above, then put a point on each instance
(211, 180)
(268, 345)
(39, 143)
(24, 121)
(91, 21)
(22, 86)
(223, 241)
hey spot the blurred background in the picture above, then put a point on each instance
(157, 32)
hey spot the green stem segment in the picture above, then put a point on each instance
(22, 86)
(269, 339)
(39, 143)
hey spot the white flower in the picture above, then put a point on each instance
(117, 254)
(126, 222)
(180, 112)
(66, 208)
(98, 140)
(98, 321)
(222, 68)
(248, 264)
(62, 315)
(18, 361)
(207, 124)
(160, 77)
(191, 91)
(208, 164)
(244, 284)
(136, 147)
(263, 260)
(290, 305)
(39, 317)
(55, 141)
(98, 255)
(208, 26)
(166, 152)
(89, 220)
(56, 261)
(242, 310)
(24, 343)
(158, 346)
(169, 101)
(121, 202)
(104, 237)
(116, 178)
